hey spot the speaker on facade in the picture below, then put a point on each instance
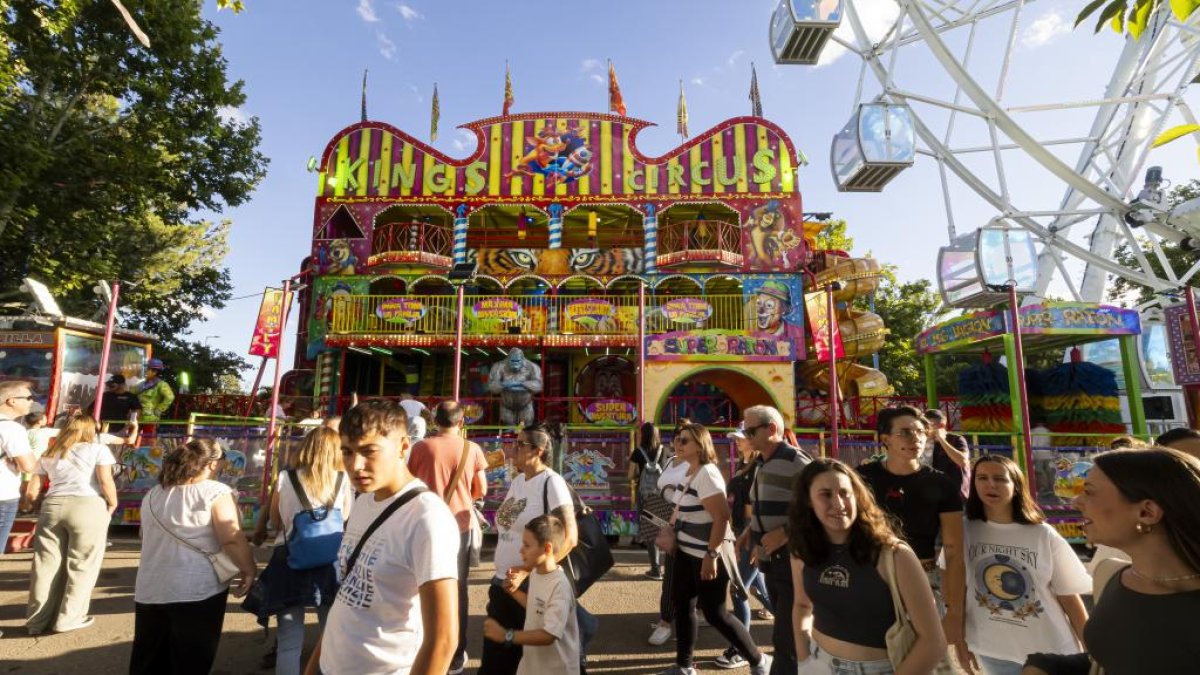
(1159, 407)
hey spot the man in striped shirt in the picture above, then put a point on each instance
(766, 536)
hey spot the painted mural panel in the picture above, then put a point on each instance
(325, 290)
(510, 262)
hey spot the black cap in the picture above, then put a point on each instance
(116, 379)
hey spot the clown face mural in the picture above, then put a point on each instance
(771, 305)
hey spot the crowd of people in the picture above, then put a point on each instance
(908, 563)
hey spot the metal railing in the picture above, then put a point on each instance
(699, 240)
(411, 242)
(534, 314)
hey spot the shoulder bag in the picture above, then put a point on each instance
(591, 558)
(475, 542)
(223, 566)
(665, 539)
(901, 637)
(384, 515)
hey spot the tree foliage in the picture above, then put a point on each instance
(1132, 293)
(110, 150)
(1132, 16)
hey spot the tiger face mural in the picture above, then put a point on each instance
(558, 262)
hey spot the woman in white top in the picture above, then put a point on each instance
(179, 603)
(1023, 580)
(701, 521)
(536, 490)
(72, 528)
(317, 465)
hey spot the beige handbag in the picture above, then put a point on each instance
(665, 539)
(901, 636)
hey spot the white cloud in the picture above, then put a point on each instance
(367, 12)
(590, 65)
(462, 140)
(1045, 29)
(597, 78)
(386, 47)
(877, 17)
(698, 81)
(416, 93)
(733, 58)
(229, 113)
(407, 12)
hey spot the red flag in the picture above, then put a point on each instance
(615, 102)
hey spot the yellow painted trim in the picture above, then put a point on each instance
(739, 149)
(626, 160)
(762, 144)
(694, 158)
(718, 152)
(585, 181)
(516, 183)
(364, 151)
(787, 173)
(494, 160)
(383, 179)
(606, 158)
(406, 160)
(539, 181)
(672, 188)
(343, 167)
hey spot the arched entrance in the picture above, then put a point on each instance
(714, 395)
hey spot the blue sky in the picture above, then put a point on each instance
(302, 62)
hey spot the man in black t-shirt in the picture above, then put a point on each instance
(119, 407)
(927, 503)
(951, 454)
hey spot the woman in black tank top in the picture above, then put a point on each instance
(837, 536)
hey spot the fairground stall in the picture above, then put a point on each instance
(1070, 411)
(558, 273)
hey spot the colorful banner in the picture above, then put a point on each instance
(267, 331)
(400, 310)
(503, 310)
(571, 157)
(1184, 362)
(589, 312)
(816, 305)
(1078, 318)
(610, 411)
(961, 331)
(687, 310)
(472, 411)
(717, 346)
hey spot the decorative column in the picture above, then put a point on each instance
(460, 234)
(556, 225)
(650, 233)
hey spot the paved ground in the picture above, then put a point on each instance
(625, 601)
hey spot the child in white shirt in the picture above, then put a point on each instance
(551, 632)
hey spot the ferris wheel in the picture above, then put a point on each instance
(934, 86)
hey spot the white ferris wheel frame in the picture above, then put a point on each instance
(1145, 88)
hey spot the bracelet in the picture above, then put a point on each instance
(508, 637)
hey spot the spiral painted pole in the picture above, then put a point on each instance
(650, 228)
(460, 235)
(556, 226)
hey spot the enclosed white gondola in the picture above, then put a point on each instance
(800, 29)
(873, 148)
(975, 270)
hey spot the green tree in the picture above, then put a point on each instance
(1132, 293)
(111, 149)
(1132, 16)
(211, 371)
(907, 309)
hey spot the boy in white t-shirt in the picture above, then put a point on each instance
(551, 635)
(396, 611)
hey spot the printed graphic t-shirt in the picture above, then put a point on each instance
(551, 607)
(917, 499)
(523, 504)
(1014, 573)
(375, 624)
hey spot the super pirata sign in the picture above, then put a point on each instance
(564, 156)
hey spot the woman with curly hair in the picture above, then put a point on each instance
(179, 602)
(840, 542)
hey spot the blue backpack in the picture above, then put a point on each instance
(316, 532)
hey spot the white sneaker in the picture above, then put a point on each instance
(763, 667)
(87, 621)
(660, 635)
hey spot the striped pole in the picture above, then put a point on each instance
(650, 229)
(556, 226)
(460, 235)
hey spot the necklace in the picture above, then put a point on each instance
(1161, 580)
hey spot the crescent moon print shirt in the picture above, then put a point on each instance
(1014, 574)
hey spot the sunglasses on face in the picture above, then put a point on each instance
(21, 398)
(750, 431)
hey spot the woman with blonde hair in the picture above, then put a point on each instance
(700, 522)
(313, 488)
(72, 527)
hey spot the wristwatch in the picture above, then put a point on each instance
(508, 637)
(714, 553)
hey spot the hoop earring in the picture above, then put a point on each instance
(1143, 528)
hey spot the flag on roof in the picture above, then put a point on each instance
(508, 92)
(682, 114)
(755, 98)
(364, 96)
(616, 103)
(435, 115)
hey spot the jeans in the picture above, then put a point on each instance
(588, 626)
(994, 666)
(291, 638)
(497, 659)
(838, 666)
(778, 572)
(8, 514)
(464, 576)
(752, 578)
(688, 591)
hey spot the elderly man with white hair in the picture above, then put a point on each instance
(770, 494)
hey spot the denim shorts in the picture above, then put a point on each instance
(839, 666)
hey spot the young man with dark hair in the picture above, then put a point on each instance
(927, 503)
(951, 453)
(438, 460)
(397, 608)
(1182, 439)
